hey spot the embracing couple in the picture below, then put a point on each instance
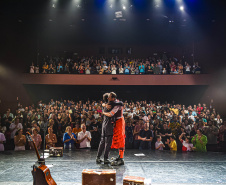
(113, 130)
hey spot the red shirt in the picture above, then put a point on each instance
(199, 109)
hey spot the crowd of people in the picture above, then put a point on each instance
(149, 125)
(114, 65)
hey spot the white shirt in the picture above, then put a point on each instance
(188, 68)
(12, 126)
(113, 70)
(121, 70)
(85, 143)
(188, 145)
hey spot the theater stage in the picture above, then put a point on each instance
(162, 167)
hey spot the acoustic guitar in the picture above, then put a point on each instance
(41, 173)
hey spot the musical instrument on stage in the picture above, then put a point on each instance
(41, 173)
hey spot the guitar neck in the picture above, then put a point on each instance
(36, 149)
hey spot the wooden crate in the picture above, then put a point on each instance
(98, 177)
(133, 180)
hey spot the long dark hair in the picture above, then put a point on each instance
(105, 97)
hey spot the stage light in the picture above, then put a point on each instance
(111, 6)
(182, 8)
(123, 7)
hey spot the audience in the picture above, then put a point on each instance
(114, 65)
(149, 125)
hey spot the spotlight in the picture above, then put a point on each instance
(123, 7)
(182, 8)
(111, 6)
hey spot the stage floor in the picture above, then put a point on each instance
(162, 167)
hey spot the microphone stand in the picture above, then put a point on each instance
(44, 130)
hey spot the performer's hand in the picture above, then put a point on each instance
(103, 104)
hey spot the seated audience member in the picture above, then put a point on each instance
(172, 143)
(59, 68)
(164, 71)
(13, 128)
(32, 68)
(76, 129)
(2, 140)
(133, 70)
(50, 138)
(121, 70)
(113, 70)
(218, 120)
(165, 134)
(36, 69)
(156, 70)
(96, 136)
(149, 70)
(199, 141)
(159, 144)
(37, 139)
(141, 68)
(35, 125)
(137, 71)
(75, 69)
(19, 140)
(187, 69)
(69, 138)
(211, 133)
(51, 69)
(136, 132)
(186, 144)
(66, 69)
(145, 136)
(180, 69)
(127, 70)
(101, 70)
(129, 135)
(87, 70)
(84, 137)
(45, 68)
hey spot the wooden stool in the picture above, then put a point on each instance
(98, 177)
(133, 180)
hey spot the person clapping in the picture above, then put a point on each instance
(69, 138)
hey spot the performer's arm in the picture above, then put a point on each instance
(108, 114)
(113, 111)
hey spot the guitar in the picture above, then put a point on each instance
(42, 171)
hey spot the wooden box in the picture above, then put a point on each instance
(133, 180)
(56, 151)
(98, 177)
